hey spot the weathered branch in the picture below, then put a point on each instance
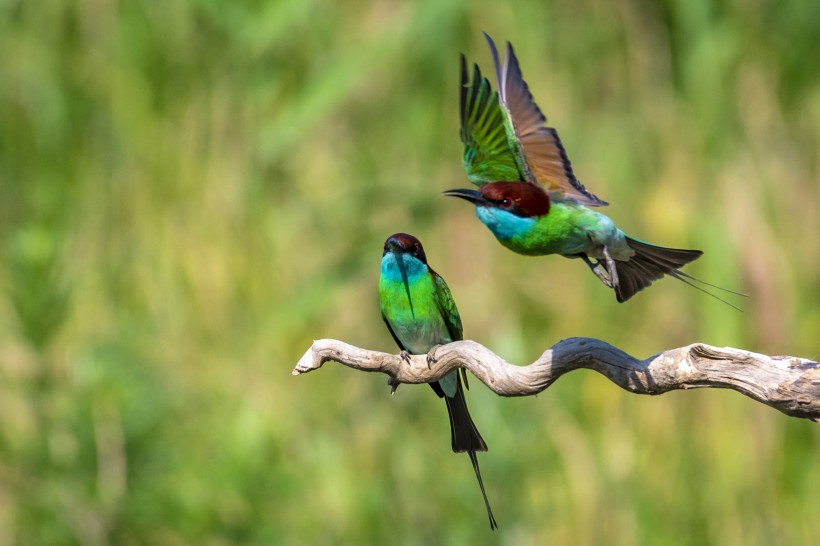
(788, 384)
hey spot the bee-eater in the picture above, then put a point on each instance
(420, 313)
(528, 194)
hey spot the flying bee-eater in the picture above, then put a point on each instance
(420, 313)
(528, 194)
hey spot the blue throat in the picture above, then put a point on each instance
(404, 269)
(504, 225)
(392, 271)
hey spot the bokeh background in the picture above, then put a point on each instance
(193, 191)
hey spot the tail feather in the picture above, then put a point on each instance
(649, 264)
(687, 279)
(465, 437)
(474, 460)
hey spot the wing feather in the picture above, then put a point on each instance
(541, 157)
(487, 153)
(447, 308)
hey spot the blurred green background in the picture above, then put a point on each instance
(193, 191)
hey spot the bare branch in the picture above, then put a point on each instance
(788, 384)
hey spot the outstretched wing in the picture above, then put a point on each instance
(487, 153)
(542, 158)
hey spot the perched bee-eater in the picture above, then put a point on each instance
(528, 194)
(420, 313)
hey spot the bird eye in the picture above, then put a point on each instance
(506, 203)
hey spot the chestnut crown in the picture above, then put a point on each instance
(404, 243)
(520, 198)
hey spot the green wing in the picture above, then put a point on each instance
(487, 153)
(449, 311)
(447, 308)
(539, 154)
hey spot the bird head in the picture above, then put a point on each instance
(403, 243)
(520, 198)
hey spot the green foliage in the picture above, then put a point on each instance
(190, 192)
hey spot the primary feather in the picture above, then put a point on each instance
(505, 137)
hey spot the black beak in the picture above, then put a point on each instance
(393, 246)
(473, 196)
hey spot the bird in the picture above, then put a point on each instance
(528, 195)
(420, 313)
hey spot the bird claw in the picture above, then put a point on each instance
(612, 268)
(602, 274)
(430, 358)
(599, 268)
(391, 381)
(605, 270)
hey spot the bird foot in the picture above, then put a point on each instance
(601, 272)
(613, 270)
(606, 270)
(391, 381)
(599, 268)
(430, 358)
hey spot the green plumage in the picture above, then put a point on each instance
(485, 133)
(529, 196)
(420, 313)
(567, 229)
